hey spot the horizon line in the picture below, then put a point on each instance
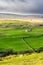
(19, 13)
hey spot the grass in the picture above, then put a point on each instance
(22, 32)
(13, 39)
(16, 44)
(10, 38)
(33, 59)
(14, 21)
(35, 43)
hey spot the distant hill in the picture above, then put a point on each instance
(13, 16)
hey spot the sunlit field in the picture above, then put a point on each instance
(33, 59)
(14, 38)
(21, 37)
(23, 20)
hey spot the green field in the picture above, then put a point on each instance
(16, 44)
(35, 43)
(20, 39)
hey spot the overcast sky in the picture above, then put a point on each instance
(21, 6)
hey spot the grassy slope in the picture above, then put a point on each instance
(9, 42)
(36, 43)
(33, 59)
(14, 21)
(22, 32)
(18, 44)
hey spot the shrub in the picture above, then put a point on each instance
(6, 52)
(40, 50)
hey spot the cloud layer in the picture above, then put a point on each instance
(21, 6)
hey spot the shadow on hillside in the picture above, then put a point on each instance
(7, 52)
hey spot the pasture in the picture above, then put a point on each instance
(21, 38)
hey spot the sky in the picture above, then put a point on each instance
(21, 6)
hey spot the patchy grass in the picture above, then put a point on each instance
(33, 59)
(14, 21)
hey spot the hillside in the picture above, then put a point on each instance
(21, 17)
(21, 43)
(33, 59)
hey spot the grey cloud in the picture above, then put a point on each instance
(22, 0)
(22, 6)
